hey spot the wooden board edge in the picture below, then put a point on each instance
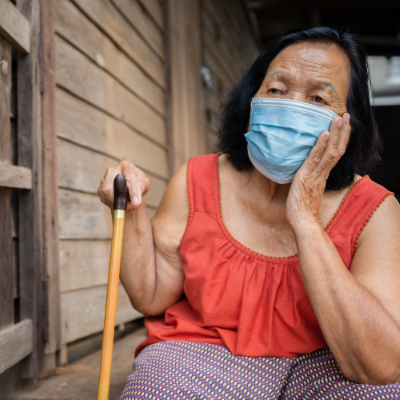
(14, 27)
(50, 179)
(16, 342)
(12, 176)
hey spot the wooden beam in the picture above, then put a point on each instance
(6, 258)
(187, 125)
(16, 342)
(14, 27)
(5, 99)
(295, 5)
(50, 185)
(30, 202)
(12, 176)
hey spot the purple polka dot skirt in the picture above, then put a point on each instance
(191, 370)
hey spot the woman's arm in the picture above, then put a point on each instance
(358, 311)
(151, 269)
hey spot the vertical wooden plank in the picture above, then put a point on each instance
(50, 192)
(30, 202)
(187, 126)
(6, 261)
(6, 258)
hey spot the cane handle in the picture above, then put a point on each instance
(120, 193)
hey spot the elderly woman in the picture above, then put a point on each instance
(272, 269)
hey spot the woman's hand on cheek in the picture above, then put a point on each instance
(308, 186)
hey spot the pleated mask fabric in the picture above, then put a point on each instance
(282, 134)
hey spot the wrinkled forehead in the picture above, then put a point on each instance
(306, 61)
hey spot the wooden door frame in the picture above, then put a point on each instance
(39, 266)
(30, 29)
(16, 337)
(50, 185)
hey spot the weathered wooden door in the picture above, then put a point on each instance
(20, 241)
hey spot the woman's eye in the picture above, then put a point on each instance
(275, 91)
(318, 99)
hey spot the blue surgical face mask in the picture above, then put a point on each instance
(282, 134)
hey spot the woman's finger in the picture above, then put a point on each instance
(344, 135)
(315, 154)
(143, 181)
(330, 156)
(106, 189)
(137, 182)
(130, 173)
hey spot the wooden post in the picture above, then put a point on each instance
(186, 105)
(30, 202)
(6, 258)
(50, 184)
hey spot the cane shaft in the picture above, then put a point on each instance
(111, 305)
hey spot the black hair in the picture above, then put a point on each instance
(364, 146)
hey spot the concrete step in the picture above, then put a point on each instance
(79, 381)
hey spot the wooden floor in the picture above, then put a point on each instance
(78, 381)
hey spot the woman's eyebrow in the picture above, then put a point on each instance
(326, 84)
(277, 73)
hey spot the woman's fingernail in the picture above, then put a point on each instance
(135, 200)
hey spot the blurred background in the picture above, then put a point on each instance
(88, 83)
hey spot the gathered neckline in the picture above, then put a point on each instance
(246, 249)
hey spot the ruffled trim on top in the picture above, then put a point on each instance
(264, 256)
(344, 199)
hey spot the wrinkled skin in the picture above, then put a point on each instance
(319, 75)
(358, 310)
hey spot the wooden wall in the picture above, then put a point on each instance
(129, 87)
(229, 48)
(105, 80)
(111, 105)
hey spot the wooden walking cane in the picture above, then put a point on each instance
(119, 207)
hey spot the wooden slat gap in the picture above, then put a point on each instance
(86, 238)
(163, 146)
(92, 60)
(145, 170)
(217, 51)
(72, 189)
(137, 30)
(216, 58)
(114, 41)
(153, 20)
(143, 3)
(226, 53)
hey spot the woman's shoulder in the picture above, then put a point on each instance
(376, 261)
(380, 211)
(172, 213)
(385, 213)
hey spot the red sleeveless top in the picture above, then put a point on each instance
(253, 304)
